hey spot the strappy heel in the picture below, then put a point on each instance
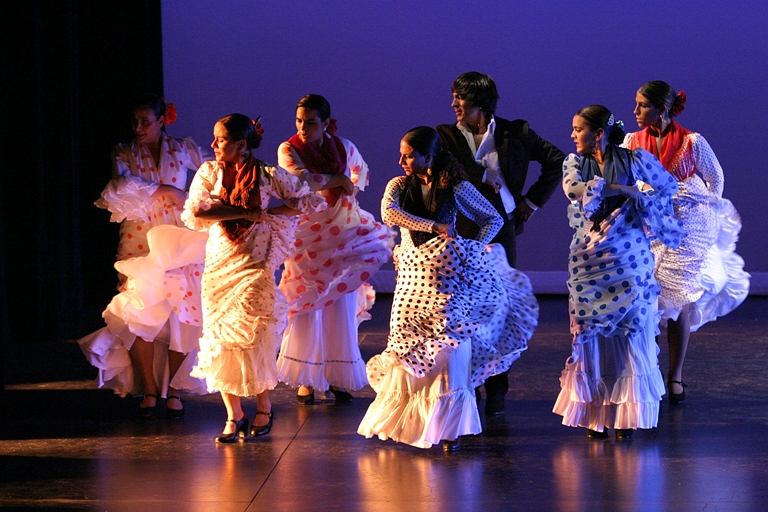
(676, 398)
(263, 429)
(241, 427)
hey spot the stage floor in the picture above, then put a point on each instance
(65, 445)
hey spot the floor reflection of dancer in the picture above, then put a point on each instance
(147, 189)
(704, 278)
(337, 250)
(612, 378)
(243, 313)
(460, 313)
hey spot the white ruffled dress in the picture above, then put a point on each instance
(244, 314)
(335, 253)
(705, 271)
(460, 314)
(159, 263)
(612, 378)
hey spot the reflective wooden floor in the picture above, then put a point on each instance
(67, 446)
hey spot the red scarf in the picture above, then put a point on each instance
(241, 189)
(671, 144)
(331, 158)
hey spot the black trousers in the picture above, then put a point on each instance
(496, 386)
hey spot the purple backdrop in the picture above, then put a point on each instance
(386, 67)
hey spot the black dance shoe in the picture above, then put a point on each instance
(594, 434)
(306, 399)
(263, 429)
(173, 413)
(676, 398)
(148, 412)
(451, 445)
(241, 427)
(624, 434)
(342, 397)
(494, 405)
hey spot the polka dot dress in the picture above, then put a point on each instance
(160, 271)
(243, 312)
(612, 295)
(709, 274)
(336, 251)
(459, 315)
(136, 178)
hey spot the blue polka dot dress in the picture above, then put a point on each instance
(612, 378)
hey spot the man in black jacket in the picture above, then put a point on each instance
(495, 153)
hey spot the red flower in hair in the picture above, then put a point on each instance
(679, 104)
(332, 128)
(257, 126)
(170, 114)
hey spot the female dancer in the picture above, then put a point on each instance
(243, 313)
(460, 313)
(157, 294)
(704, 278)
(337, 250)
(612, 378)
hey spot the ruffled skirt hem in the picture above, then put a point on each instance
(420, 421)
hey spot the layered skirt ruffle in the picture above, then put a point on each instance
(719, 279)
(170, 314)
(335, 252)
(243, 310)
(459, 315)
(612, 381)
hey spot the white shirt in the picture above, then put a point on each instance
(487, 156)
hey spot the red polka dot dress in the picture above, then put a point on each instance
(244, 313)
(324, 280)
(460, 314)
(159, 270)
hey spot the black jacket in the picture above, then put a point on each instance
(516, 145)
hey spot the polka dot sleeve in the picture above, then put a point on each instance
(287, 187)
(289, 159)
(587, 193)
(358, 169)
(202, 196)
(475, 207)
(393, 215)
(655, 203)
(707, 165)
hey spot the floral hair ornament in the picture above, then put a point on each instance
(257, 126)
(170, 114)
(620, 124)
(679, 104)
(332, 127)
(610, 121)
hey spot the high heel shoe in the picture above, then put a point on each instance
(594, 434)
(624, 434)
(241, 427)
(148, 412)
(451, 445)
(676, 398)
(173, 413)
(263, 429)
(306, 399)
(342, 397)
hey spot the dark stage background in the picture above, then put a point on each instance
(69, 70)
